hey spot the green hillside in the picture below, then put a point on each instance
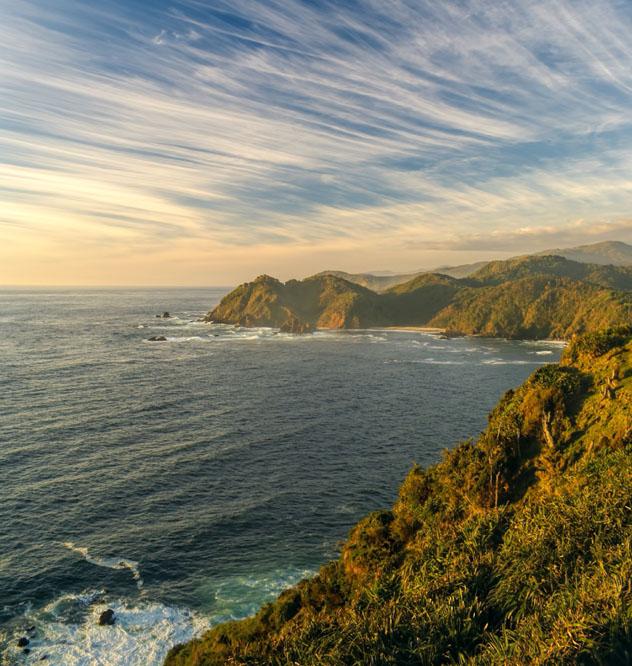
(610, 277)
(528, 297)
(516, 548)
(535, 308)
(323, 301)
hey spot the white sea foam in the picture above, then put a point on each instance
(67, 631)
(195, 323)
(499, 361)
(142, 633)
(546, 343)
(544, 352)
(224, 333)
(108, 562)
(426, 361)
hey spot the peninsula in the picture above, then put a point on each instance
(524, 298)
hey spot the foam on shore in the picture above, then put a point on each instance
(67, 633)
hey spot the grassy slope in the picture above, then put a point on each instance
(522, 298)
(513, 549)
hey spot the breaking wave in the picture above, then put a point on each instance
(66, 632)
(108, 562)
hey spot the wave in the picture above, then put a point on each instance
(491, 361)
(546, 343)
(108, 562)
(67, 633)
(428, 361)
(499, 361)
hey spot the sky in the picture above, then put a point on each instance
(202, 142)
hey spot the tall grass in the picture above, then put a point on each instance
(514, 549)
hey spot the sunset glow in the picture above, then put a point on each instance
(199, 143)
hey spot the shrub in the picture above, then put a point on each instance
(597, 344)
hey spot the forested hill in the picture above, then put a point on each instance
(514, 549)
(498, 272)
(528, 297)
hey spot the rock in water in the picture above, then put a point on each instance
(23, 642)
(166, 315)
(158, 338)
(107, 618)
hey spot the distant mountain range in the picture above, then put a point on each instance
(615, 253)
(539, 296)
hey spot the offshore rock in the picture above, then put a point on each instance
(107, 618)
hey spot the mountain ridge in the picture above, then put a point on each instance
(528, 297)
(616, 253)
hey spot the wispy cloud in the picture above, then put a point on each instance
(251, 123)
(539, 237)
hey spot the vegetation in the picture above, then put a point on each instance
(608, 277)
(322, 301)
(514, 549)
(535, 307)
(614, 253)
(529, 297)
(377, 283)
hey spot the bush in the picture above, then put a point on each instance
(597, 344)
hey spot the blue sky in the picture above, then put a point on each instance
(202, 142)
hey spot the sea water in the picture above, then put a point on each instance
(186, 482)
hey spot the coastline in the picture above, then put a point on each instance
(407, 329)
(430, 330)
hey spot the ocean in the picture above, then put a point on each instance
(186, 482)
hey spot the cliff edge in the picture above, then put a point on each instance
(515, 548)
